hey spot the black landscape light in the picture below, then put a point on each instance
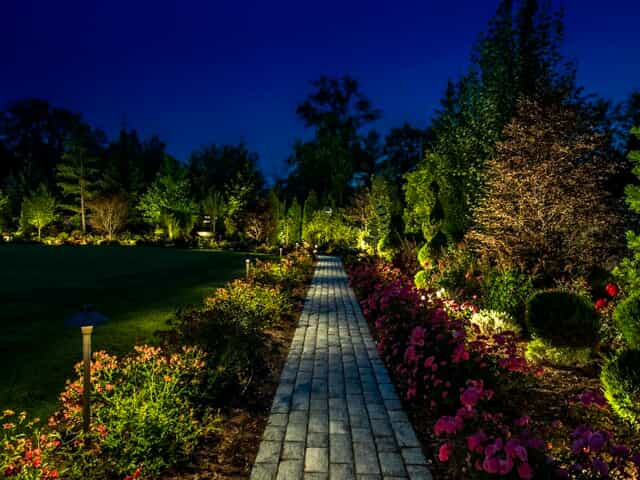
(86, 319)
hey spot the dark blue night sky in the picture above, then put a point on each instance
(200, 72)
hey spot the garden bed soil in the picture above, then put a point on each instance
(231, 452)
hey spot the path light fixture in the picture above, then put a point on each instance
(280, 252)
(86, 319)
(247, 264)
(328, 211)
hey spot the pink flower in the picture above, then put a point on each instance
(470, 397)
(514, 449)
(475, 442)
(417, 336)
(447, 425)
(445, 452)
(525, 471)
(491, 465)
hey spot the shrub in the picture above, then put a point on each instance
(507, 291)
(562, 319)
(491, 322)
(627, 318)
(143, 412)
(253, 306)
(27, 452)
(540, 351)
(620, 379)
(421, 280)
(424, 256)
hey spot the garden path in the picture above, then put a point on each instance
(336, 414)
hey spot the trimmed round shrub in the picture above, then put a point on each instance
(620, 379)
(542, 351)
(563, 319)
(627, 318)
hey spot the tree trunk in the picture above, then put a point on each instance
(84, 225)
(39, 234)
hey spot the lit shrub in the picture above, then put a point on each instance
(627, 319)
(421, 280)
(620, 379)
(27, 452)
(143, 413)
(491, 322)
(507, 291)
(253, 306)
(540, 350)
(456, 269)
(563, 319)
(424, 256)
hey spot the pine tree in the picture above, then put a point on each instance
(77, 174)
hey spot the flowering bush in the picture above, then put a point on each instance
(27, 452)
(463, 380)
(143, 409)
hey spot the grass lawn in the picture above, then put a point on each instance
(138, 288)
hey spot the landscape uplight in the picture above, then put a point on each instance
(86, 319)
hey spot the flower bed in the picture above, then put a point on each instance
(470, 391)
(153, 408)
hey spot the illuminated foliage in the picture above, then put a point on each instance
(109, 214)
(39, 209)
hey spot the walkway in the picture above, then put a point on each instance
(336, 414)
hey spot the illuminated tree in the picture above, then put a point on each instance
(39, 209)
(109, 214)
(77, 173)
(213, 205)
(546, 208)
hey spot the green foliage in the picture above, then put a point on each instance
(491, 322)
(293, 224)
(378, 211)
(4, 208)
(77, 172)
(143, 412)
(421, 280)
(620, 379)
(455, 272)
(39, 209)
(629, 269)
(167, 202)
(239, 194)
(330, 230)
(424, 256)
(542, 351)
(563, 319)
(506, 290)
(311, 206)
(213, 205)
(627, 318)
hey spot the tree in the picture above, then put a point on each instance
(77, 172)
(4, 206)
(39, 209)
(167, 202)
(379, 209)
(310, 207)
(547, 210)
(629, 269)
(109, 214)
(403, 150)
(338, 112)
(294, 221)
(213, 205)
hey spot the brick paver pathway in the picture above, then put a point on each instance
(336, 414)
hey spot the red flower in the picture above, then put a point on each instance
(612, 290)
(445, 452)
(601, 303)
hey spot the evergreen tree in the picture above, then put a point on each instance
(311, 206)
(77, 173)
(294, 221)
